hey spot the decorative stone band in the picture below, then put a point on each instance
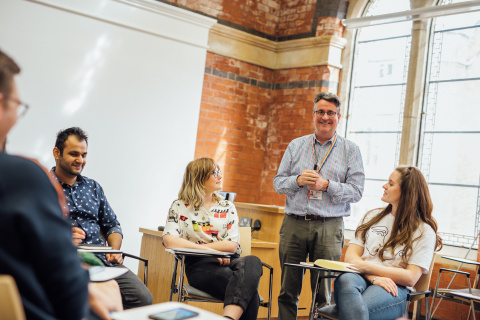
(333, 86)
(314, 51)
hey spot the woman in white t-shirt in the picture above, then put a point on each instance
(393, 246)
(201, 219)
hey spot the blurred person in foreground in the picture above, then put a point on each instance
(36, 246)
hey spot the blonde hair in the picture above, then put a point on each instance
(414, 207)
(193, 187)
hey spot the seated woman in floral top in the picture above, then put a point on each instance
(201, 219)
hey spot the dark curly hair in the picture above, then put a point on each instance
(63, 135)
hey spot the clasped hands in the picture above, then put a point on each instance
(224, 261)
(312, 179)
(364, 268)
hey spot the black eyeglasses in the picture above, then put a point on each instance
(321, 113)
(22, 107)
(217, 173)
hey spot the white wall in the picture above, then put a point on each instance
(130, 73)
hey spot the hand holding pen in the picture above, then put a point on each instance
(77, 233)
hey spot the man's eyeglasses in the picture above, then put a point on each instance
(321, 113)
(22, 107)
(217, 173)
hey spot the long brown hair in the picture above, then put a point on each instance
(193, 187)
(414, 207)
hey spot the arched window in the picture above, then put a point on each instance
(449, 154)
(377, 94)
(446, 145)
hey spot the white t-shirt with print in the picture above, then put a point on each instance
(376, 237)
(200, 226)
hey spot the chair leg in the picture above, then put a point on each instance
(418, 309)
(435, 296)
(180, 280)
(313, 311)
(270, 296)
(427, 309)
(145, 273)
(405, 314)
(471, 310)
(174, 280)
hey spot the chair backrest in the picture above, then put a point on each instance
(246, 241)
(423, 283)
(228, 195)
(10, 302)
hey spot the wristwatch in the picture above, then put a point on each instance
(328, 183)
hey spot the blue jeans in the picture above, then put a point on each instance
(358, 299)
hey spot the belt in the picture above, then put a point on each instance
(310, 217)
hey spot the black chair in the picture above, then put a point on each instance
(186, 292)
(469, 296)
(145, 265)
(228, 195)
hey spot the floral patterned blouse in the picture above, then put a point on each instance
(220, 223)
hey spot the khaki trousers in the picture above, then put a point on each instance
(299, 240)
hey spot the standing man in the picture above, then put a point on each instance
(90, 213)
(321, 174)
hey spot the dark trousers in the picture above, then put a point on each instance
(300, 239)
(133, 290)
(234, 284)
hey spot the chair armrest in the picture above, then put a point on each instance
(135, 257)
(461, 260)
(145, 265)
(267, 266)
(413, 294)
(454, 271)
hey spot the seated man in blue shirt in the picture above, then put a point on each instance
(90, 212)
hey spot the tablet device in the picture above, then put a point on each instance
(174, 314)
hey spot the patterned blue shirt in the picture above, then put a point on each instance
(90, 211)
(344, 169)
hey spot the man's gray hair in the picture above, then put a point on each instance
(328, 96)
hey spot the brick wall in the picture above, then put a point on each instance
(296, 16)
(276, 20)
(249, 114)
(262, 16)
(329, 26)
(233, 122)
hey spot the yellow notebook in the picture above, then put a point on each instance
(334, 265)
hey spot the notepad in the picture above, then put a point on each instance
(93, 247)
(201, 252)
(100, 273)
(334, 265)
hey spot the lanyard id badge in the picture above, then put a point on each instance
(318, 194)
(315, 194)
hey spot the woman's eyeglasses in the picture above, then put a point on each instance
(217, 173)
